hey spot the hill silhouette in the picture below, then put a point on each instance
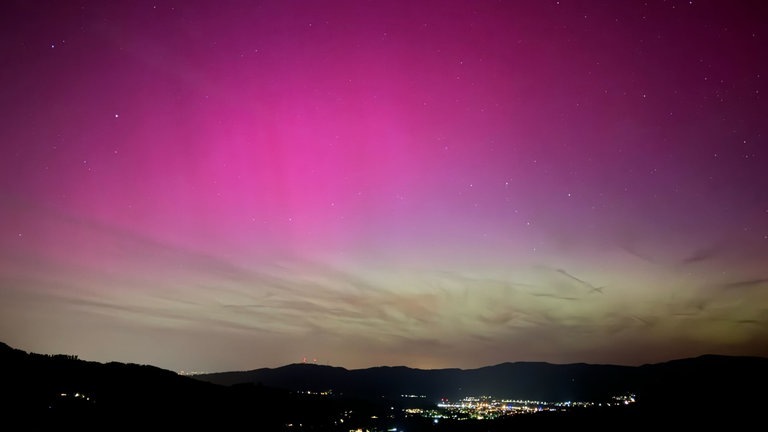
(708, 376)
(686, 392)
(535, 381)
(47, 391)
(43, 391)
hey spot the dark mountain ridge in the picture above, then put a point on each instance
(46, 391)
(708, 375)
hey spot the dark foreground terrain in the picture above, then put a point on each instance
(41, 392)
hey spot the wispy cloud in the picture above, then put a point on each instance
(744, 283)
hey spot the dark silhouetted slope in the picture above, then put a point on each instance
(44, 392)
(540, 381)
(687, 392)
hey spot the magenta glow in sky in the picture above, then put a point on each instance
(229, 185)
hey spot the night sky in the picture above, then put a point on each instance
(231, 185)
